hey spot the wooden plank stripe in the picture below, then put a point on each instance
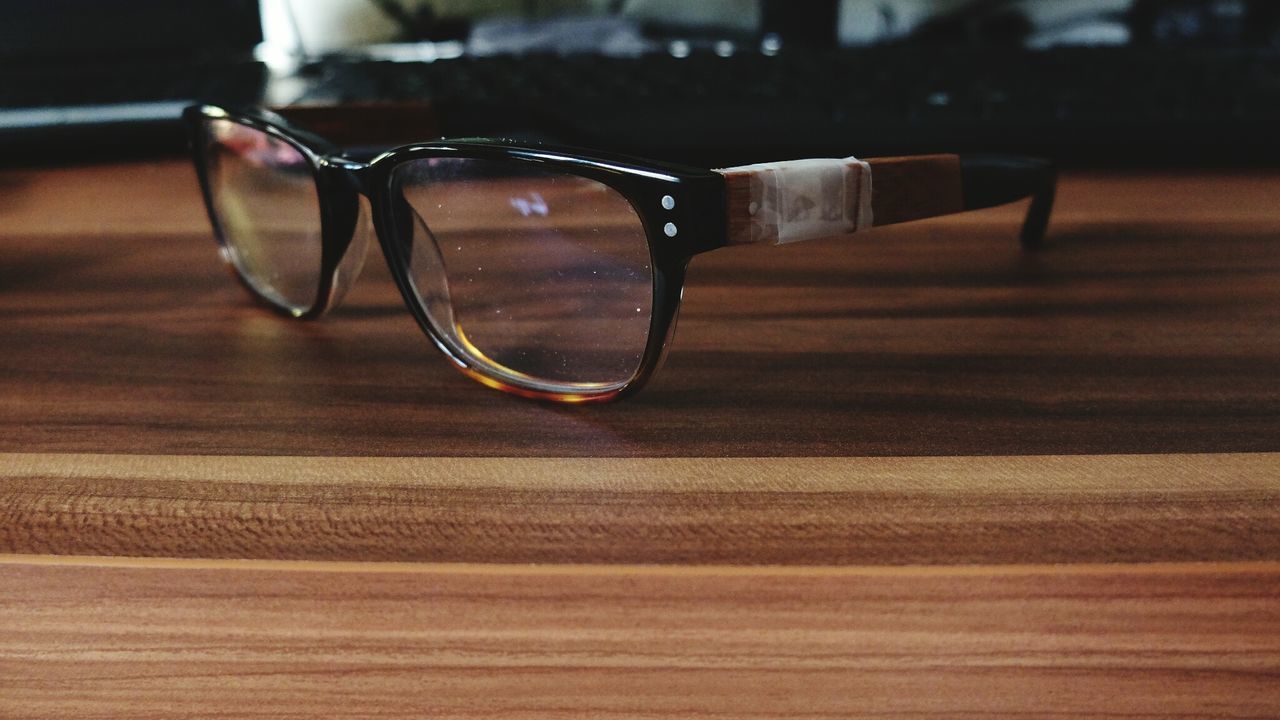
(146, 643)
(1029, 474)
(737, 511)
(659, 570)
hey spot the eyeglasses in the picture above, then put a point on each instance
(544, 272)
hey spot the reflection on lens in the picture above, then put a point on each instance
(264, 197)
(541, 279)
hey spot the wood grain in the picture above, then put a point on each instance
(911, 188)
(314, 640)
(1151, 324)
(918, 475)
(747, 511)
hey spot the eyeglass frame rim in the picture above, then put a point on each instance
(697, 215)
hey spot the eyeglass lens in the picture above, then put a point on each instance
(264, 197)
(542, 279)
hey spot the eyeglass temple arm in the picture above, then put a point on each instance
(991, 180)
(800, 200)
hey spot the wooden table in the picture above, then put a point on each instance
(917, 474)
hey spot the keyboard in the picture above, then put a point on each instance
(1126, 104)
(1078, 105)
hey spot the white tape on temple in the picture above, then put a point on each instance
(804, 199)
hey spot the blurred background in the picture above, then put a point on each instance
(333, 24)
(713, 82)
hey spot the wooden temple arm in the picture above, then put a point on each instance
(799, 200)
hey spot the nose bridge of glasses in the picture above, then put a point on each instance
(348, 226)
(346, 173)
(353, 257)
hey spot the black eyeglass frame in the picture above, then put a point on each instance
(697, 214)
(707, 214)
